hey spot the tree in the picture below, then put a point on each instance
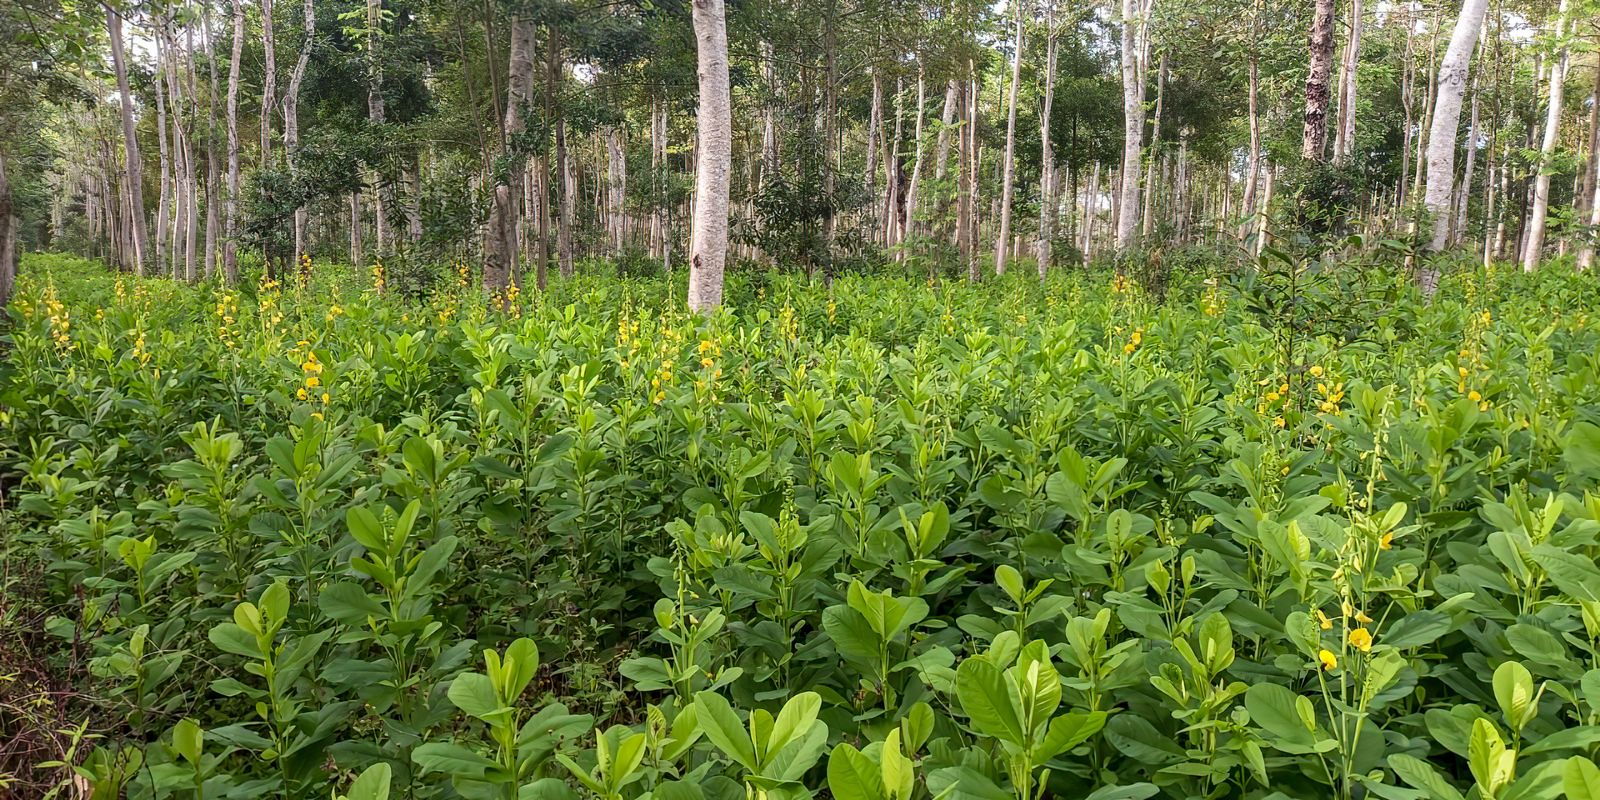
(134, 170)
(1533, 248)
(1315, 136)
(1002, 241)
(708, 248)
(1446, 118)
(1133, 122)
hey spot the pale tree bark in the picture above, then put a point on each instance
(566, 181)
(1442, 138)
(617, 191)
(1003, 238)
(269, 81)
(383, 189)
(658, 164)
(913, 188)
(133, 169)
(1252, 167)
(230, 211)
(947, 121)
(8, 235)
(965, 158)
(1047, 156)
(1314, 138)
(1148, 223)
(291, 116)
(874, 127)
(1591, 193)
(893, 221)
(1344, 137)
(211, 144)
(1534, 248)
(501, 245)
(164, 189)
(708, 248)
(1133, 127)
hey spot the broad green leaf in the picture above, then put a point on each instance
(986, 699)
(722, 727)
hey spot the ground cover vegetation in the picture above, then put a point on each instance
(1291, 531)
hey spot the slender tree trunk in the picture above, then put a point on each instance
(914, 188)
(1133, 128)
(714, 132)
(269, 81)
(291, 116)
(1047, 156)
(1314, 138)
(356, 253)
(230, 222)
(164, 200)
(1534, 248)
(1442, 140)
(1252, 170)
(133, 172)
(8, 235)
(1003, 236)
(965, 159)
(658, 165)
(1155, 146)
(1345, 132)
(617, 188)
(1591, 188)
(501, 245)
(191, 191)
(383, 188)
(211, 144)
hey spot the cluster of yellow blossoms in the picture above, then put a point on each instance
(788, 326)
(463, 275)
(711, 372)
(1134, 340)
(378, 282)
(507, 299)
(60, 320)
(311, 376)
(627, 336)
(1331, 394)
(1359, 637)
(227, 314)
(268, 292)
(305, 270)
(1121, 284)
(1470, 358)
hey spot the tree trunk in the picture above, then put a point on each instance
(230, 221)
(8, 235)
(291, 117)
(133, 186)
(1047, 157)
(1314, 139)
(617, 191)
(1534, 248)
(1252, 169)
(708, 246)
(383, 191)
(501, 245)
(211, 144)
(1133, 128)
(164, 180)
(1155, 146)
(1591, 188)
(913, 189)
(1344, 138)
(269, 81)
(1442, 140)
(1003, 237)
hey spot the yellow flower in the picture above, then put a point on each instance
(1328, 659)
(1361, 639)
(1278, 422)
(1474, 396)
(1316, 372)
(1361, 617)
(1386, 542)
(1323, 621)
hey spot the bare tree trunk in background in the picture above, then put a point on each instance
(8, 235)
(893, 190)
(1591, 177)
(1442, 140)
(947, 119)
(874, 127)
(1091, 210)
(356, 253)
(211, 143)
(565, 180)
(1252, 168)
(501, 246)
(1133, 128)
(269, 81)
(658, 164)
(1344, 138)
(1314, 141)
(230, 222)
(191, 192)
(964, 159)
(617, 185)
(291, 117)
(382, 189)
(1148, 223)
(133, 185)
(1003, 237)
(708, 248)
(164, 179)
(913, 189)
(1047, 156)
(1534, 248)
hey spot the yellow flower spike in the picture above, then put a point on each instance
(1328, 659)
(1361, 639)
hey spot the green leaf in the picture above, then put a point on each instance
(1581, 451)
(722, 727)
(1417, 629)
(1274, 708)
(474, 694)
(1068, 731)
(1573, 574)
(794, 720)
(188, 740)
(452, 759)
(1422, 775)
(1580, 779)
(853, 776)
(372, 784)
(230, 638)
(986, 699)
(350, 604)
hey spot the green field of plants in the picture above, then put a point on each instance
(1269, 535)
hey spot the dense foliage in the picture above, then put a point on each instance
(882, 539)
